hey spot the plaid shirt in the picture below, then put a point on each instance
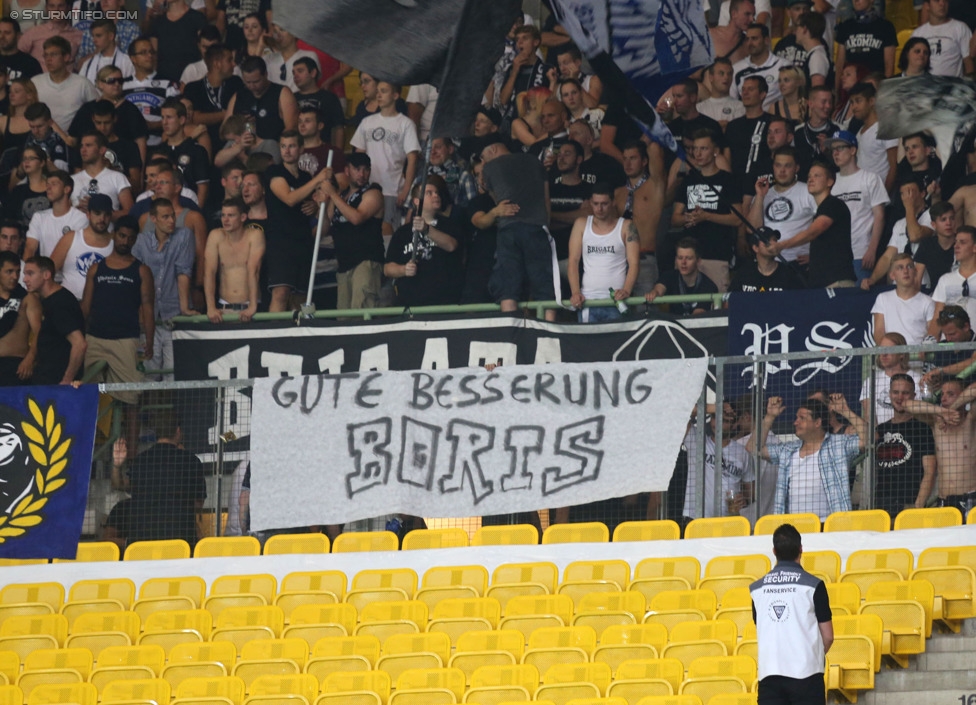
(125, 32)
(835, 457)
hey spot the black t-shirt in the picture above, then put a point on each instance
(683, 129)
(355, 244)
(564, 198)
(674, 285)
(22, 203)
(290, 224)
(123, 155)
(481, 254)
(62, 316)
(806, 143)
(440, 273)
(864, 42)
(10, 309)
(22, 65)
(900, 449)
(189, 157)
(129, 122)
(627, 130)
(329, 107)
(789, 50)
(831, 257)
(235, 11)
(206, 99)
(600, 167)
(177, 42)
(936, 260)
(714, 194)
(165, 483)
(749, 278)
(747, 142)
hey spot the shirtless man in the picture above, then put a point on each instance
(20, 321)
(236, 252)
(729, 40)
(641, 199)
(964, 198)
(954, 430)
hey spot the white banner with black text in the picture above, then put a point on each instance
(330, 449)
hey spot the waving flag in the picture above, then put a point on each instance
(639, 48)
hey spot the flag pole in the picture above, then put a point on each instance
(452, 51)
(308, 310)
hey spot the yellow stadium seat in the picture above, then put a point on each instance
(971, 518)
(262, 584)
(53, 625)
(424, 696)
(663, 530)
(598, 701)
(955, 593)
(408, 610)
(471, 576)
(558, 605)
(94, 552)
(342, 614)
(403, 578)
(383, 630)
(670, 618)
(439, 644)
(615, 571)
(939, 556)
(101, 677)
(375, 681)
(577, 589)
(229, 687)
(250, 671)
(451, 679)
(358, 541)
(209, 652)
(556, 637)
(176, 673)
(157, 550)
(864, 579)
(360, 697)
(599, 674)
(737, 597)
(716, 527)
(121, 589)
(740, 616)
(897, 559)
(687, 567)
(290, 601)
(365, 646)
(433, 596)
(545, 658)
(741, 667)
(601, 620)
(722, 630)
(904, 628)
(314, 633)
(199, 621)
(654, 635)
(155, 689)
(237, 617)
(193, 587)
(79, 660)
(755, 565)
(96, 642)
(435, 538)
(10, 664)
(630, 602)
(523, 676)
(359, 598)
(649, 587)
(804, 523)
(688, 651)
(721, 585)
(49, 593)
(227, 547)
(239, 636)
(868, 625)
(215, 604)
(151, 605)
(862, 520)
(24, 609)
(281, 544)
(706, 688)
(824, 562)
(748, 647)
(701, 600)
(846, 595)
(503, 592)
(331, 581)
(264, 649)
(321, 667)
(615, 654)
(633, 690)
(850, 665)
(563, 693)
(921, 591)
(73, 609)
(297, 684)
(470, 661)
(499, 695)
(460, 611)
(928, 518)
(584, 532)
(669, 670)
(515, 535)
(541, 573)
(76, 693)
(29, 680)
(277, 700)
(397, 664)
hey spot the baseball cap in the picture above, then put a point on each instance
(844, 137)
(492, 114)
(99, 203)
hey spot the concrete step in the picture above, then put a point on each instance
(916, 681)
(932, 697)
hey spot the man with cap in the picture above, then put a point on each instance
(77, 251)
(864, 194)
(486, 123)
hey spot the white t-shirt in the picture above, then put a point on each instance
(769, 70)
(949, 43)
(78, 260)
(387, 141)
(899, 233)
(736, 469)
(47, 229)
(279, 70)
(883, 410)
(107, 181)
(872, 153)
(949, 291)
(425, 95)
(791, 212)
(861, 191)
(119, 60)
(722, 109)
(65, 98)
(819, 64)
(910, 317)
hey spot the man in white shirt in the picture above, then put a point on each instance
(958, 288)
(760, 62)
(207, 37)
(721, 106)
(950, 41)
(96, 178)
(873, 154)
(421, 104)
(107, 52)
(78, 250)
(787, 206)
(48, 226)
(865, 197)
(281, 64)
(906, 234)
(62, 91)
(904, 309)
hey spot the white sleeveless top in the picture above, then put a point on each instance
(81, 256)
(604, 261)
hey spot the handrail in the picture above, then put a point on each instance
(369, 313)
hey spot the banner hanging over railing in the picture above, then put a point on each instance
(46, 440)
(330, 449)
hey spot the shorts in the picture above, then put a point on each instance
(288, 265)
(598, 314)
(121, 357)
(360, 286)
(963, 502)
(524, 255)
(8, 372)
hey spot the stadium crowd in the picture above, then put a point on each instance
(176, 166)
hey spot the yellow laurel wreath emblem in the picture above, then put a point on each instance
(50, 452)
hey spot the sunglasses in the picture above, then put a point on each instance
(114, 81)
